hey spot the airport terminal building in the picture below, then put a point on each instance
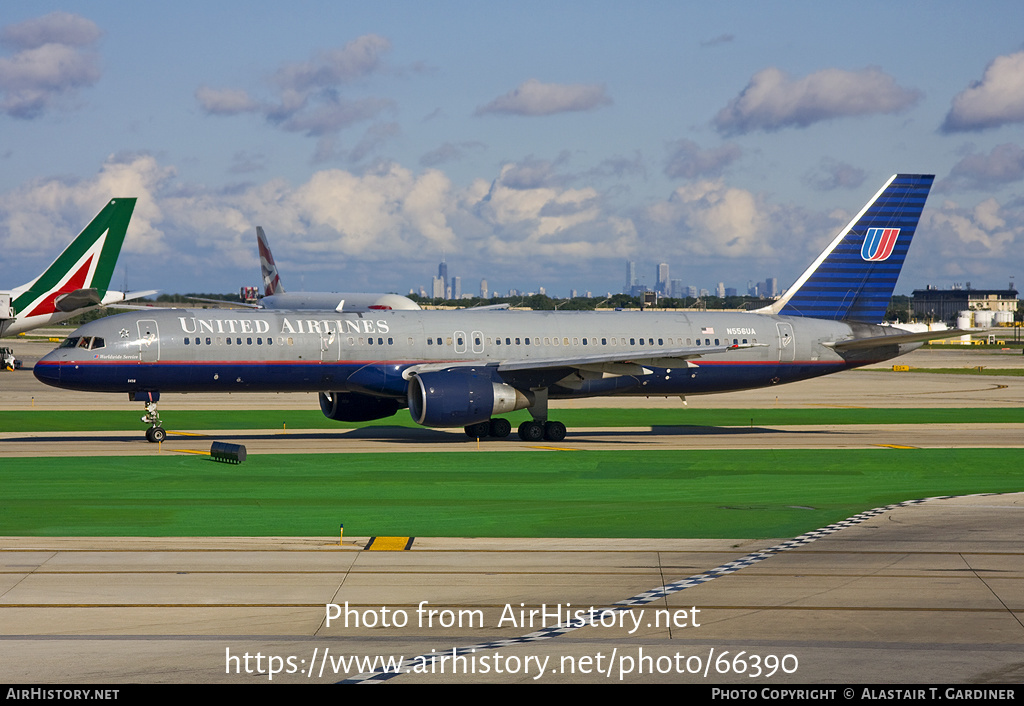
(945, 304)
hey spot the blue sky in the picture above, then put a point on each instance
(540, 144)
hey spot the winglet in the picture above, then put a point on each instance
(855, 277)
(271, 280)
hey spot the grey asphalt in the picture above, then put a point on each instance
(930, 592)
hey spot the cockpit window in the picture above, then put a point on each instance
(70, 342)
(97, 343)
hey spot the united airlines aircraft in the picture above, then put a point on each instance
(466, 369)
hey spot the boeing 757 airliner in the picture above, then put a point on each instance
(466, 368)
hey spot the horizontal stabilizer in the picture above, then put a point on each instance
(78, 299)
(895, 339)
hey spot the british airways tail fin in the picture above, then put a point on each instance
(854, 278)
(271, 280)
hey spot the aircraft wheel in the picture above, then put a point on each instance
(478, 431)
(554, 431)
(155, 434)
(531, 431)
(500, 428)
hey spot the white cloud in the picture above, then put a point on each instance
(225, 101)
(986, 231)
(998, 99)
(1003, 165)
(52, 63)
(55, 28)
(773, 100)
(830, 174)
(709, 218)
(43, 216)
(688, 161)
(535, 98)
(308, 95)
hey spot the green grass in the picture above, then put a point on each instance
(729, 494)
(197, 420)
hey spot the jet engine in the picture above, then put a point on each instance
(458, 397)
(353, 407)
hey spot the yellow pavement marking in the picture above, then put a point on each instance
(895, 446)
(390, 544)
(552, 448)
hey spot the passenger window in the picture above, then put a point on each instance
(517, 341)
(186, 340)
(229, 340)
(248, 341)
(208, 341)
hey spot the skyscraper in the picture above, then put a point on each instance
(630, 276)
(663, 282)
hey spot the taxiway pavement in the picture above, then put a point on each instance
(925, 593)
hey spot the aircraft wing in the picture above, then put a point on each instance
(618, 363)
(224, 304)
(83, 298)
(658, 357)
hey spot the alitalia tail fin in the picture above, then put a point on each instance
(855, 277)
(271, 279)
(81, 274)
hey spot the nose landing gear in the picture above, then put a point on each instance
(155, 434)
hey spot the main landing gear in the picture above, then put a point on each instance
(537, 429)
(498, 428)
(155, 434)
(540, 428)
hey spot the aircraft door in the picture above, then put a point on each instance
(330, 347)
(460, 341)
(477, 338)
(787, 343)
(149, 341)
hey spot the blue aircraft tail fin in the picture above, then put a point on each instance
(854, 278)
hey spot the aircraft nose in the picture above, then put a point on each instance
(47, 371)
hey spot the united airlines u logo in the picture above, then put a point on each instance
(878, 244)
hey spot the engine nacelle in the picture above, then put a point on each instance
(353, 407)
(458, 397)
